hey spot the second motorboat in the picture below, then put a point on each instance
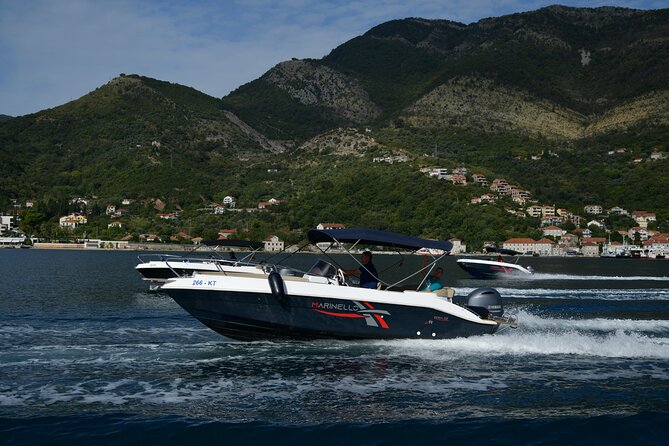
(495, 267)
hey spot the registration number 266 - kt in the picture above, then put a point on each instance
(200, 282)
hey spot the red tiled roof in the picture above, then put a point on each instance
(332, 225)
(520, 241)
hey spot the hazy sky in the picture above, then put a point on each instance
(55, 51)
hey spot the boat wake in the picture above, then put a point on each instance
(646, 294)
(546, 276)
(536, 335)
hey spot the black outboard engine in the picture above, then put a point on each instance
(485, 302)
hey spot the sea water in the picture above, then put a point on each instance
(89, 355)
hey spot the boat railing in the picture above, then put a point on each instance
(220, 263)
(146, 258)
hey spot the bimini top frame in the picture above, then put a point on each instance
(375, 237)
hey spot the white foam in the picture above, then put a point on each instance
(651, 294)
(547, 276)
(611, 338)
(534, 322)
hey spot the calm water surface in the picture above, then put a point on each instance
(87, 354)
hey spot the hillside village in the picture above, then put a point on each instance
(563, 232)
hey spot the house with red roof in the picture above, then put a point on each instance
(543, 247)
(224, 234)
(643, 218)
(553, 231)
(322, 226)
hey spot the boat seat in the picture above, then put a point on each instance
(445, 292)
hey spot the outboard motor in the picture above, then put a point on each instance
(485, 302)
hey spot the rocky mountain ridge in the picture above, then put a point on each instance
(577, 69)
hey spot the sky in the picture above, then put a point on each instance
(55, 51)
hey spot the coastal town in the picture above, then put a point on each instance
(563, 232)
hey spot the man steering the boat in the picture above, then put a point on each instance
(366, 272)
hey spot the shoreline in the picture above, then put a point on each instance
(143, 247)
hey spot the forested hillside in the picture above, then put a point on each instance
(569, 104)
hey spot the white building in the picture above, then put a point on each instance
(321, 226)
(593, 209)
(542, 247)
(229, 201)
(553, 231)
(643, 218)
(597, 224)
(590, 249)
(643, 233)
(480, 179)
(7, 222)
(12, 241)
(458, 246)
(617, 210)
(534, 211)
(72, 220)
(438, 172)
(273, 244)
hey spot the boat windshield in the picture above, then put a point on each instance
(323, 269)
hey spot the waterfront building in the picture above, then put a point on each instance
(273, 244)
(458, 246)
(590, 249)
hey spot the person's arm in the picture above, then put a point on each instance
(352, 272)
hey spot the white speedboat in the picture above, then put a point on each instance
(157, 268)
(494, 268)
(281, 303)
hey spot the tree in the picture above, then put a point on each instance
(31, 220)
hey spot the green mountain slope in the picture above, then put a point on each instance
(134, 135)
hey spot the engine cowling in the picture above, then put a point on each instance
(486, 302)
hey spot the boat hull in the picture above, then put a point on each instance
(490, 269)
(262, 316)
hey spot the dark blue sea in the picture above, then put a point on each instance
(89, 356)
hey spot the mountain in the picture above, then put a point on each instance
(558, 72)
(133, 134)
(5, 118)
(571, 104)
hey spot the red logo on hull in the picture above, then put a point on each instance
(373, 317)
